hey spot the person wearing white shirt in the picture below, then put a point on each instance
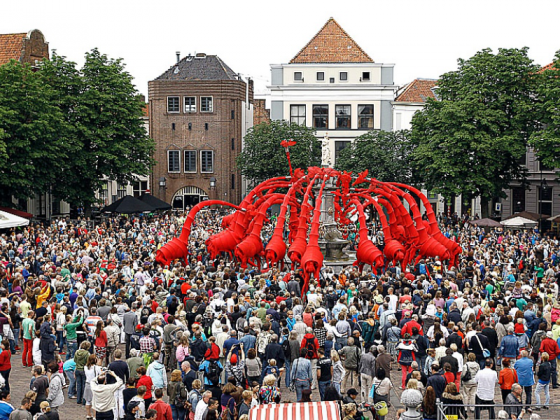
(202, 406)
(486, 380)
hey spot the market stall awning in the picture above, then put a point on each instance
(127, 205)
(529, 215)
(327, 410)
(520, 222)
(17, 212)
(155, 202)
(484, 223)
(8, 220)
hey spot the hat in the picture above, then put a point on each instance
(352, 391)
(233, 359)
(139, 326)
(549, 334)
(132, 404)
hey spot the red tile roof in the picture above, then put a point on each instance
(331, 45)
(11, 47)
(417, 91)
(547, 67)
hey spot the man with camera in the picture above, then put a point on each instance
(104, 395)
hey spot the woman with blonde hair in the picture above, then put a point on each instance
(338, 370)
(349, 411)
(269, 392)
(194, 397)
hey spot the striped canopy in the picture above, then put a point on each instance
(327, 410)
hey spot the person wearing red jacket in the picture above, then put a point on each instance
(163, 409)
(410, 325)
(311, 344)
(551, 347)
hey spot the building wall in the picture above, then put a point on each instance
(34, 47)
(261, 113)
(208, 131)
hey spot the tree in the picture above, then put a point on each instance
(546, 140)
(104, 110)
(470, 141)
(386, 154)
(263, 157)
(32, 151)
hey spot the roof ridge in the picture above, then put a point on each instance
(331, 19)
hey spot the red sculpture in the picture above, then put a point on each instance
(407, 238)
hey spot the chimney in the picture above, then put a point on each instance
(178, 56)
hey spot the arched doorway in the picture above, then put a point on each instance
(188, 197)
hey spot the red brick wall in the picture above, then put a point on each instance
(260, 114)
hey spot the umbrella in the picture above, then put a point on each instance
(128, 204)
(554, 219)
(528, 215)
(8, 220)
(155, 202)
(518, 221)
(485, 223)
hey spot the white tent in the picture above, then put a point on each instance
(519, 222)
(8, 220)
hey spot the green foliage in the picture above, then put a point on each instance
(263, 157)
(66, 131)
(32, 149)
(471, 140)
(386, 154)
(546, 141)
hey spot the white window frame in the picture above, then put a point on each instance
(300, 79)
(211, 104)
(179, 102)
(299, 116)
(185, 104)
(179, 153)
(201, 162)
(317, 76)
(195, 161)
(340, 76)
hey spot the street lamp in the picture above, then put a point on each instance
(162, 182)
(212, 183)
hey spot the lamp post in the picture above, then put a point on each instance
(212, 185)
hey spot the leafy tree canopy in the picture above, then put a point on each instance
(386, 154)
(546, 141)
(470, 141)
(263, 157)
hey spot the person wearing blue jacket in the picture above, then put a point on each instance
(525, 375)
(156, 371)
(510, 345)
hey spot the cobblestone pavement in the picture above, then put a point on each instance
(21, 376)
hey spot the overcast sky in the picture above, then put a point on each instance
(423, 38)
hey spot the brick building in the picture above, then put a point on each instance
(200, 110)
(23, 47)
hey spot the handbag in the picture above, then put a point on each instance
(485, 351)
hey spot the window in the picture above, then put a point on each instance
(298, 76)
(342, 116)
(173, 126)
(121, 190)
(544, 167)
(206, 104)
(343, 76)
(206, 161)
(139, 188)
(190, 126)
(104, 192)
(365, 117)
(331, 79)
(233, 181)
(190, 161)
(206, 126)
(297, 114)
(172, 104)
(320, 116)
(523, 159)
(365, 76)
(232, 144)
(232, 114)
(320, 75)
(518, 199)
(173, 161)
(190, 103)
(545, 200)
(339, 146)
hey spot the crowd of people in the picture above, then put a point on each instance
(96, 320)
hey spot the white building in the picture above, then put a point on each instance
(333, 86)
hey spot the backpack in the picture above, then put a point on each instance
(213, 372)
(287, 349)
(310, 347)
(181, 397)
